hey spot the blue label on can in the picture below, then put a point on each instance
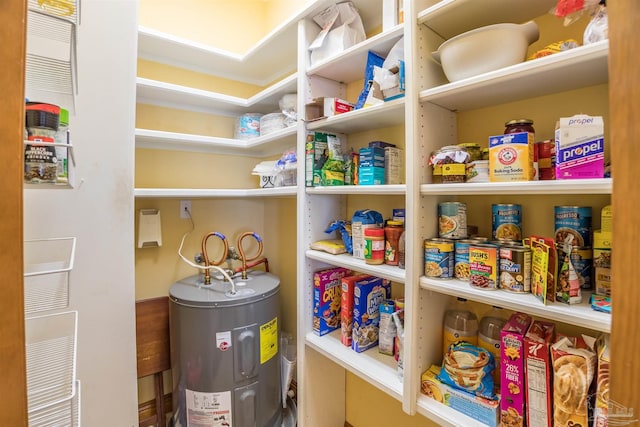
(574, 221)
(438, 260)
(506, 221)
(461, 259)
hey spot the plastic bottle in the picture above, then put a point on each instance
(489, 337)
(460, 324)
(392, 233)
(374, 245)
(401, 250)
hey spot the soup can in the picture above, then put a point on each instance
(506, 221)
(574, 221)
(582, 261)
(452, 220)
(438, 258)
(515, 268)
(483, 266)
(461, 262)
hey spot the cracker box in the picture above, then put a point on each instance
(327, 286)
(580, 147)
(574, 366)
(392, 165)
(346, 309)
(538, 373)
(512, 378)
(367, 296)
(511, 157)
(480, 409)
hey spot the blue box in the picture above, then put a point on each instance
(372, 157)
(367, 296)
(370, 176)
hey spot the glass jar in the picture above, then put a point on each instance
(451, 160)
(519, 125)
(485, 154)
(474, 150)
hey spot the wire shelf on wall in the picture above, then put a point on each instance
(65, 413)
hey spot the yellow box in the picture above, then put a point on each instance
(511, 157)
(606, 219)
(602, 240)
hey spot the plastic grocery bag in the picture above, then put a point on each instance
(341, 28)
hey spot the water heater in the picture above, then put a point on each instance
(225, 356)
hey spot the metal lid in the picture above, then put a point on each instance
(519, 122)
(192, 292)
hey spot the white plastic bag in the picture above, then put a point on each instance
(341, 28)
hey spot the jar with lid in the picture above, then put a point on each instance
(452, 159)
(392, 232)
(474, 150)
(40, 161)
(374, 245)
(519, 125)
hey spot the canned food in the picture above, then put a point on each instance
(483, 266)
(461, 262)
(573, 221)
(515, 268)
(438, 258)
(582, 261)
(452, 220)
(546, 159)
(474, 150)
(506, 221)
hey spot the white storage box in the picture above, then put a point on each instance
(51, 359)
(47, 266)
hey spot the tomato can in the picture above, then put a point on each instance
(483, 266)
(515, 268)
(546, 159)
(506, 221)
(452, 220)
(438, 258)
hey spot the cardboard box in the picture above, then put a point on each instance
(321, 108)
(398, 90)
(346, 307)
(327, 287)
(538, 373)
(367, 296)
(580, 147)
(606, 219)
(393, 160)
(602, 244)
(511, 157)
(480, 409)
(512, 381)
(370, 176)
(372, 157)
(317, 153)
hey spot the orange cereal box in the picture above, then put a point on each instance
(346, 311)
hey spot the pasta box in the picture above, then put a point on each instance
(327, 286)
(512, 377)
(367, 296)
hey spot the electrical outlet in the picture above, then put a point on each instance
(185, 209)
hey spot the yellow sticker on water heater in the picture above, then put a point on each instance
(268, 340)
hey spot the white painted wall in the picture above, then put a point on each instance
(100, 212)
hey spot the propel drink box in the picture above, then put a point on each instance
(580, 147)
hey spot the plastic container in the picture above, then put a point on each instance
(392, 233)
(449, 164)
(374, 245)
(401, 250)
(62, 153)
(460, 324)
(489, 336)
(40, 161)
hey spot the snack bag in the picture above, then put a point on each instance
(469, 368)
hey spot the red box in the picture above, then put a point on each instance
(346, 310)
(512, 384)
(538, 373)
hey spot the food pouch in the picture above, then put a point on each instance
(468, 367)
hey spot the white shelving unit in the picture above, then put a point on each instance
(197, 193)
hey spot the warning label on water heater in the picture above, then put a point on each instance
(268, 340)
(223, 340)
(208, 409)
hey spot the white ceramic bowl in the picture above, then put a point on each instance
(485, 49)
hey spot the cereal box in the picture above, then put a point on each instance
(511, 157)
(574, 365)
(512, 382)
(538, 374)
(580, 147)
(346, 311)
(476, 407)
(367, 296)
(327, 285)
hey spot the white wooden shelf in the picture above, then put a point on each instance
(390, 272)
(448, 18)
(274, 56)
(576, 68)
(187, 98)
(399, 189)
(271, 144)
(204, 193)
(444, 415)
(377, 369)
(579, 314)
(350, 64)
(379, 116)
(575, 186)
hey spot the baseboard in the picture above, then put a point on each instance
(148, 409)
